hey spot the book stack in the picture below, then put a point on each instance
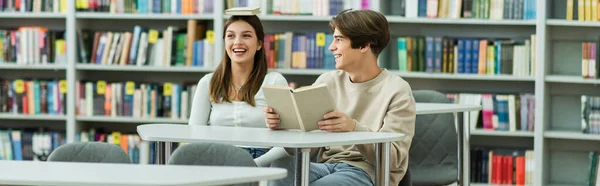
(590, 114)
(28, 144)
(146, 6)
(467, 55)
(149, 47)
(589, 69)
(502, 166)
(500, 112)
(302, 7)
(33, 97)
(55, 6)
(299, 50)
(471, 9)
(32, 45)
(582, 10)
(134, 99)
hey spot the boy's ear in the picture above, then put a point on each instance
(365, 48)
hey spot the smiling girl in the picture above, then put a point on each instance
(232, 95)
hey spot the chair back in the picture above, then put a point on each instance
(433, 155)
(213, 154)
(92, 152)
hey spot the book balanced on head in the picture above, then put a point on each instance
(247, 11)
(301, 108)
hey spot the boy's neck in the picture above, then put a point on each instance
(365, 72)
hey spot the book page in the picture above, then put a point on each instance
(280, 99)
(313, 103)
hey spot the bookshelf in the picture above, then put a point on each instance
(557, 84)
(481, 132)
(89, 67)
(9, 66)
(28, 15)
(5, 116)
(571, 135)
(109, 16)
(132, 120)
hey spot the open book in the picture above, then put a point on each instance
(301, 108)
(243, 11)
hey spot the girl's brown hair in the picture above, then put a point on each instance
(220, 83)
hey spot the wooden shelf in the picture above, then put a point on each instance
(481, 132)
(126, 119)
(40, 15)
(11, 116)
(133, 68)
(398, 19)
(571, 79)
(425, 75)
(86, 15)
(419, 75)
(571, 135)
(574, 23)
(294, 18)
(422, 20)
(314, 72)
(14, 66)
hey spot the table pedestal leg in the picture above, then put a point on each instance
(466, 135)
(382, 165)
(262, 183)
(386, 163)
(302, 165)
(162, 152)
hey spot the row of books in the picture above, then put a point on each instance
(37, 144)
(299, 50)
(467, 55)
(590, 114)
(589, 69)
(149, 47)
(582, 10)
(146, 6)
(593, 173)
(33, 97)
(135, 99)
(54, 6)
(502, 166)
(303, 7)
(32, 45)
(28, 144)
(501, 112)
(478, 9)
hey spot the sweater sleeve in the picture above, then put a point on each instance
(279, 79)
(399, 118)
(266, 159)
(201, 106)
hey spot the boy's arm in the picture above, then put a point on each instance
(399, 118)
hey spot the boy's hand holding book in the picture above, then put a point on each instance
(336, 121)
(333, 121)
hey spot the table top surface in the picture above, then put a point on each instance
(282, 138)
(259, 136)
(67, 173)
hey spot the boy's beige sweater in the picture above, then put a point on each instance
(383, 104)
